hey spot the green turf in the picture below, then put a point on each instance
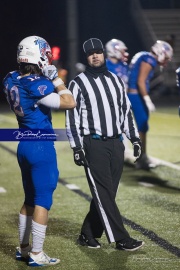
(155, 207)
(163, 139)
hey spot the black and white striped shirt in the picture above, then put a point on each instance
(103, 108)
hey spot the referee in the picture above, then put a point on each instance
(94, 129)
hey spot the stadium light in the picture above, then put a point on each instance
(56, 51)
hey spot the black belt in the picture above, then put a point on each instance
(105, 138)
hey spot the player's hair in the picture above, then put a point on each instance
(25, 68)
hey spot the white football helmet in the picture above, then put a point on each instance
(117, 49)
(162, 50)
(34, 50)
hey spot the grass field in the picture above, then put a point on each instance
(148, 200)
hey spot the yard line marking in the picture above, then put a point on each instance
(72, 187)
(165, 163)
(2, 190)
(78, 191)
(146, 184)
(156, 161)
(8, 149)
(153, 237)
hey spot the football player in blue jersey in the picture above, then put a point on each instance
(141, 70)
(32, 91)
(117, 57)
(116, 62)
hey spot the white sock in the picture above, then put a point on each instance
(24, 228)
(38, 236)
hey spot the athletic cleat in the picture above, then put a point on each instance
(22, 254)
(41, 259)
(84, 240)
(145, 163)
(129, 244)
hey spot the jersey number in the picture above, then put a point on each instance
(14, 101)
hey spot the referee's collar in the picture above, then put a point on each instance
(95, 72)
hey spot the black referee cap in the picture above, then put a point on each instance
(92, 44)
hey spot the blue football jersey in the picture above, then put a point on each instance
(134, 68)
(23, 93)
(120, 69)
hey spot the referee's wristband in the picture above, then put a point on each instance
(67, 92)
(57, 82)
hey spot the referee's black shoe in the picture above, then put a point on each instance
(129, 244)
(84, 240)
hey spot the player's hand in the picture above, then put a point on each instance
(79, 157)
(50, 71)
(178, 77)
(137, 150)
(151, 107)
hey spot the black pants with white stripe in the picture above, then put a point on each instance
(106, 159)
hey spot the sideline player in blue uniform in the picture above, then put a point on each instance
(141, 70)
(117, 57)
(32, 92)
(116, 62)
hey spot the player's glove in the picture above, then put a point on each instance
(79, 157)
(50, 71)
(151, 107)
(137, 150)
(178, 77)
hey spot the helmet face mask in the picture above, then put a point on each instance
(163, 51)
(117, 49)
(34, 50)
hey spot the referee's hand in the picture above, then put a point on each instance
(137, 150)
(79, 157)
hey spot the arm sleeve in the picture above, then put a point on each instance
(51, 101)
(40, 87)
(73, 118)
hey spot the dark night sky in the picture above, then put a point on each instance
(20, 18)
(104, 19)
